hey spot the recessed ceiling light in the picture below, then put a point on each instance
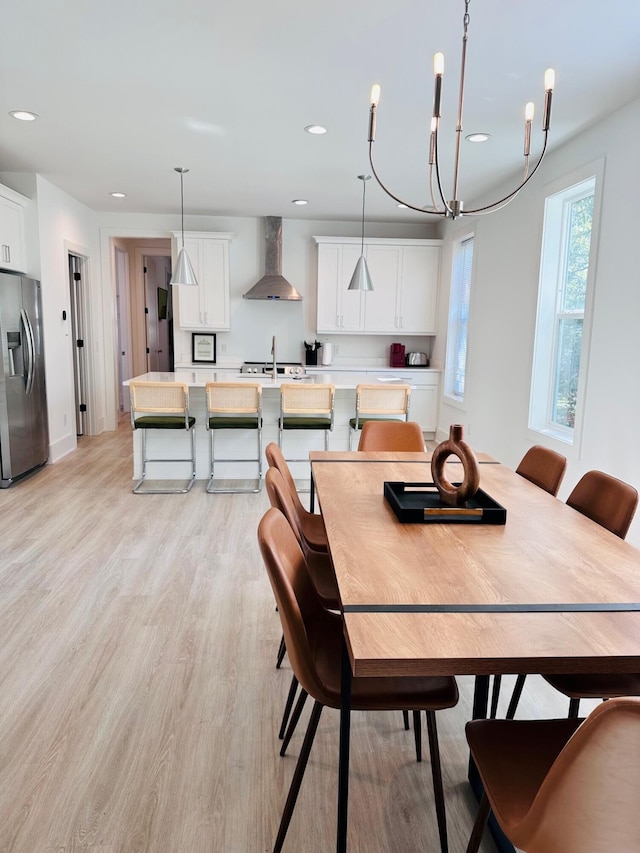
(478, 137)
(315, 128)
(300, 201)
(118, 195)
(23, 115)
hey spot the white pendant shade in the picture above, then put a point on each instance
(183, 273)
(361, 280)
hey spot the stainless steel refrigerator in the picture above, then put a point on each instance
(24, 429)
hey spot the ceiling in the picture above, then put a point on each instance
(127, 90)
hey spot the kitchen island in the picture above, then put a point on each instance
(241, 443)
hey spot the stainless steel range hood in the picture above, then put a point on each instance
(273, 285)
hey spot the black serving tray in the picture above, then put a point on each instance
(419, 503)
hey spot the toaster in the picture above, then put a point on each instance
(417, 359)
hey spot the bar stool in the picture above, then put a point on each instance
(379, 403)
(236, 406)
(162, 406)
(306, 407)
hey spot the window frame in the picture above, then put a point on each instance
(558, 197)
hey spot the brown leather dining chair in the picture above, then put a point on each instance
(391, 435)
(319, 567)
(311, 524)
(611, 503)
(543, 467)
(318, 562)
(314, 639)
(561, 786)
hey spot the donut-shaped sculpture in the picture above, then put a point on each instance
(455, 446)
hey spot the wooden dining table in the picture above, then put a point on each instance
(547, 592)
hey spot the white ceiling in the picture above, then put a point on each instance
(128, 89)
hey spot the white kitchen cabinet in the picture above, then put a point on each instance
(425, 394)
(423, 407)
(12, 248)
(339, 309)
(405, 280)
(205, 307)
(385, 268)
(418, 294)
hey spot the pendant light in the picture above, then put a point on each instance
(183, 273)
(361, 280)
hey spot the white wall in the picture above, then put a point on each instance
(66, 224)
(503, 315)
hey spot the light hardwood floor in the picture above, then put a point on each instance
(139, 701)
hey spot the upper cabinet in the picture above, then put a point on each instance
(205, 307)
(405, 280)
(339, 309)
(12, 249)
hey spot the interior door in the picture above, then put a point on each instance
(158, 312)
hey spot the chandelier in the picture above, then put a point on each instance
(453, 208)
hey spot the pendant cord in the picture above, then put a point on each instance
(182, 205)
(364, 191)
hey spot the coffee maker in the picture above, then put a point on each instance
(397, 355)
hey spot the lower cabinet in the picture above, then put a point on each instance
(423, 407)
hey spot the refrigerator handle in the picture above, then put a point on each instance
(31, 349)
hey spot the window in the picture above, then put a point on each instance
(459, 320)
(564, 299)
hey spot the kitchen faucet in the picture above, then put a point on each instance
(273, 353)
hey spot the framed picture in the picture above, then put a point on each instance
(203, 348)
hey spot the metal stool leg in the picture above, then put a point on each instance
(138, 488)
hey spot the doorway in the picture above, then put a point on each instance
(158, 312)
(77, 303)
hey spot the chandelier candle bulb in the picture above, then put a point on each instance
(549, 80)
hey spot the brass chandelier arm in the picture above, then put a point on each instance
(489, 208)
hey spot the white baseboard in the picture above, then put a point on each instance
(65, 445)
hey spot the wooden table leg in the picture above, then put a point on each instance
(343, 760)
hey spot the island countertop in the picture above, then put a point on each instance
(341, 380)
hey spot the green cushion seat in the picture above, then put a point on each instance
(232, 422)
(306, 423)
(162, 422)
